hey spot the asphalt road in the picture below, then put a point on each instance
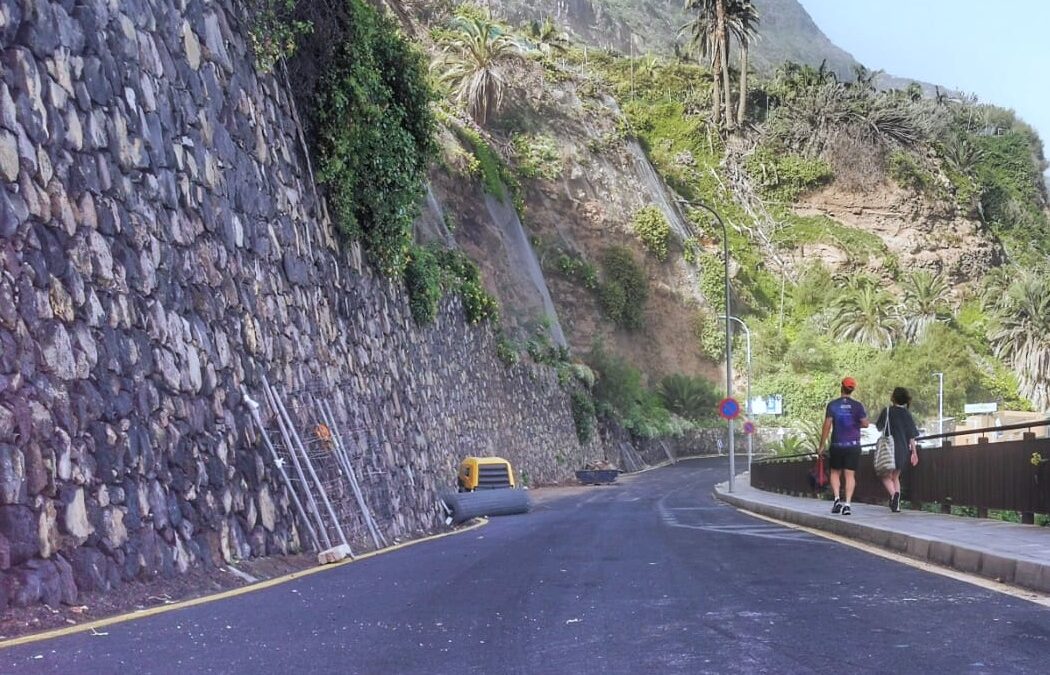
(652, 575)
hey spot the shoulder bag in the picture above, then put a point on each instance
(885, 459)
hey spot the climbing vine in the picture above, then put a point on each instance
(372, 128)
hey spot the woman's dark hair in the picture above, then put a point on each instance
(901, 396)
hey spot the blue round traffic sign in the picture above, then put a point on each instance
(749, 427)
(729, 408)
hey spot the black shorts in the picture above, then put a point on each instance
(844, 458)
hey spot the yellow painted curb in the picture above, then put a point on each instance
(233, 592)
(926, 566)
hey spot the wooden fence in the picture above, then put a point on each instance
(1007, 476)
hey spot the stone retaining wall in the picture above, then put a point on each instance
(160, 247)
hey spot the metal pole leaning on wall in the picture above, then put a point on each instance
(344, 458)
(298, 466)
(310, 467)
(253, 405)
(359, 494)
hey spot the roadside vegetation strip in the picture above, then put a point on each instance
(1041, 599)
(233, 592)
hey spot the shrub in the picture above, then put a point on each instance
(465, 279)
(273, 31)
(583, 413)
(651, 226)
(784, 176)
(613, 301)
(506, 351)
(543, 350)
(371, 127)
(624, 289)
(487, 163)
(689, 397)
(709, 332)
(808, 353)
(538, 156)
(577, 269)
(797, 231)
(429, 272)
(815, 290)
(423, 282)
(907, 172)
(618, 385)
(713, 281)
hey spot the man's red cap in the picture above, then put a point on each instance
(849, 383)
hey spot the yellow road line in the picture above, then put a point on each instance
(926, 566)
(233, 592)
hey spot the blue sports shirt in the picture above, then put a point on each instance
(846, 414)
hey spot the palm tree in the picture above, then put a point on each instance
(866, 314)
(925, 302)
(649, 66)
(473, 65)
(793, 79)
(810, 431)
(961, 154)
(743, 24)
(546, 36)
(710, 31)
(1022, 335)
(789, 445)
(688, 397)
(865, 78)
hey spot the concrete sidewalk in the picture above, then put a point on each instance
(1007, 552)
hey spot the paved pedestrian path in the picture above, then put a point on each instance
(1007, 552)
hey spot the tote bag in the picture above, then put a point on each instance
(885, 459)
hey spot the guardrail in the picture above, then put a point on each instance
(1003, 476)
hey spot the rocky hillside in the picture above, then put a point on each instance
(789, 33)
(841, 201)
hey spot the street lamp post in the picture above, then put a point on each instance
(750, 437)
(729, 337)
(940, 408)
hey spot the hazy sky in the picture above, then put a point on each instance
(999, 49)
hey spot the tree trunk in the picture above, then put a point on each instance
(716, 88)
(742, 110)
(730, 117)
(722, 46)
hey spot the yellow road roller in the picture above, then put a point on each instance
(484, 473)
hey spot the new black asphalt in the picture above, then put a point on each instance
(651, 575)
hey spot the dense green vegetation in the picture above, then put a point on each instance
(892, 329)
(624, 288)
(431, 272)
(813, 129)
(274, 32)
(675, 406)
(651, 226)
(371, 127)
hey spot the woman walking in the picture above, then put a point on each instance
(902, 429)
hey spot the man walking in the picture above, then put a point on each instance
(843, 420)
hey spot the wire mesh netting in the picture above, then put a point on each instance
(329, 465)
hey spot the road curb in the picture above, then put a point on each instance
(668, 462)
(1027, 574)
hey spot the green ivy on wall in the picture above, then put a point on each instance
(373, 131)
